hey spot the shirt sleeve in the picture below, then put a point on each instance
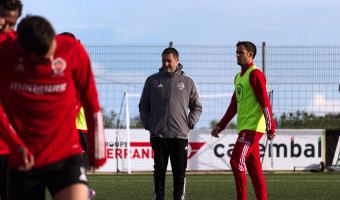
(8, 134)
(144, 105)
(258, 82)
(195, 107)
(89, 99)
(230, 113)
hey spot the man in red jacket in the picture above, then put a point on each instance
(40, 75)
(254, 117)
(10, 11)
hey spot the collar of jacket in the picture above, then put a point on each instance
(176, 73)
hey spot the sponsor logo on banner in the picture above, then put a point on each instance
(194, 147)
(292, 150)
(142, 150)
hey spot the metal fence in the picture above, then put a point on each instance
(304, 80)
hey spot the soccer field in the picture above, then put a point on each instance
(218, 186)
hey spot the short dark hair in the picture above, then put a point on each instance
(249, 46)
(172, 51)
(68, 34)
(12, 5)
(35, 35)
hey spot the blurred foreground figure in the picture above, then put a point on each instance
(10, 11)
(40, 75)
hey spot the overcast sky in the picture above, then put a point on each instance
(287, 22)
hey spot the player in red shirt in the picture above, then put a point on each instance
(10, 11)
(40, 75)
(254, 117)
(80, 119)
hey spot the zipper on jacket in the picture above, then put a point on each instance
(167, 118)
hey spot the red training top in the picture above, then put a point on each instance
(3, 146)
(39, 101)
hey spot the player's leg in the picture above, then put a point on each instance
(84, 144)
(237, 161)
(254, 168)
(67, 179)
(83, 140)
(4, 171)
(179, 158)
(161, 156)
(73, 192)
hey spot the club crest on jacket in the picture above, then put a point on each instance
(58, 66)
(180, 85)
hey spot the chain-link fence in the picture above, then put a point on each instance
(304, 79)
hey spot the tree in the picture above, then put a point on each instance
(213, 123)
(304, 120)
(231, 125)
(299, 120)
(136, 122)
(109, 119)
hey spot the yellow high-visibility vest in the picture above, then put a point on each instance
(81, 120)
(249, 112)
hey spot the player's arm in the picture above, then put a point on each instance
(145, 105)
(195, 107)
(228, 116)
(20, 157)
(258, 81)
(89, 99)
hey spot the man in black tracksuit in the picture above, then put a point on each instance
(163, 107)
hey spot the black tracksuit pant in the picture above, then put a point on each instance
(4, 179)
(177, 150)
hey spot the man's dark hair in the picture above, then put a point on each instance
(35, 35)
(172, 51)
(68, 34)
(249, 46)
(12, 5)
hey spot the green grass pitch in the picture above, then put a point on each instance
(217, 186)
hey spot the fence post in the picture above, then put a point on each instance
(264, 58)
(170, 44)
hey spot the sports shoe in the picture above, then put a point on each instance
(92, 194)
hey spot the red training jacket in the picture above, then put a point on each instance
(3, 146)
(39, 100)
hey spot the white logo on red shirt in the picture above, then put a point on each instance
(58, 66)
(38, 89)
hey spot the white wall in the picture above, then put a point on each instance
(291, 148)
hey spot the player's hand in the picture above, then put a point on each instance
(215, 132)
(28, 161)
(270, 135)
